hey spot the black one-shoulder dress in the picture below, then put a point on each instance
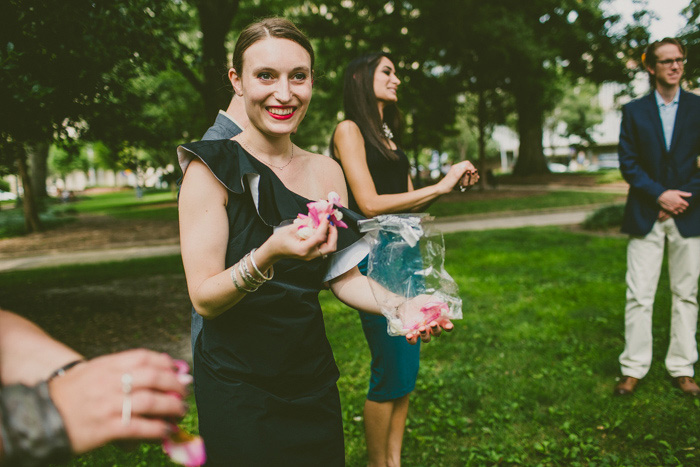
(264, 372)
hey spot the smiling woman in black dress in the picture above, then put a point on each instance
(265, 377)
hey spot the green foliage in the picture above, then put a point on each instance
(690, 35)
(464, 143)
(61, 161)
(55, 68)
(607, 217)
(345, 30)
(155, 112)
(580, 111)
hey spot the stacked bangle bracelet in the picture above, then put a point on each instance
(250, 282)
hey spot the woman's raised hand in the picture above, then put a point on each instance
(456, 174)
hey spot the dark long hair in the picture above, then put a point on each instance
(360, 104)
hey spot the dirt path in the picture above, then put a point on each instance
(92, 233)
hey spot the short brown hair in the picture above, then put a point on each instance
(280, 28)
(649, 56)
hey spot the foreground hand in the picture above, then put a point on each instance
(92, 400)
(426, 332)
(673, 201)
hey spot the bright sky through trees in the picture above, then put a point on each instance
(669, 20)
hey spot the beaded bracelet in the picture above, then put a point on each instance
(62, 371)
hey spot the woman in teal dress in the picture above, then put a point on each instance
(367, 145)
(265, 377)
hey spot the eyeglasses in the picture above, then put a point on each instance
(671, 61)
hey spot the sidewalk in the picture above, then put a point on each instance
(501, 220)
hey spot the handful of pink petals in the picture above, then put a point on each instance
(410, 318)
(308, 223)
(184, 448)
(431, 311)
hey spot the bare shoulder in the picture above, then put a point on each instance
(326, 173)
(200, 183)
(347, 129)
(320, 163)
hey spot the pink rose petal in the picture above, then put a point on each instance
(319, 210)
(431, 312)
(184, 448)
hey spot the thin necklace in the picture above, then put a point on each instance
(267, 163)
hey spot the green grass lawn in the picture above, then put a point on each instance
(526, 377)
(121, 204)
(107, 203)
(553, 199)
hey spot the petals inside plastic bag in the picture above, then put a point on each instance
(406, 268)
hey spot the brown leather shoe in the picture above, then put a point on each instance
(626, 386)
(688, 385)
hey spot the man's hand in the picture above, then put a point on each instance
(673, 201)
(663, 216)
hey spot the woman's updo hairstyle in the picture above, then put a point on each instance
(279, 28)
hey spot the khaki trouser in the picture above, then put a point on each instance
(644, 258)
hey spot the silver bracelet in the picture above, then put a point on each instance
(257, 270)
(246, 279)
(235, 282)
(250, 280)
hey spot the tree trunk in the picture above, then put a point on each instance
(38, 155)
(417, 181)
(531, 160)
(481, 118)
(31, 213)
(215, 18)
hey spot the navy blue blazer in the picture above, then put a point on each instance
(650, 169)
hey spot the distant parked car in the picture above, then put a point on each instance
(7, 196)
(557, 168)
(608, 161)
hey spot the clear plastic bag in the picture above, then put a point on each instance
(406, 265)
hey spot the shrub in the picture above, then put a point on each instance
(607, 217)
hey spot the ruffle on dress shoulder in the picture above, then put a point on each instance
(223, 159)
(276, 205)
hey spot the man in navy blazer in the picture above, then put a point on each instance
(227, 125)
(658, 151)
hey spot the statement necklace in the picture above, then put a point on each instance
(387, 131)
(267, 163)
